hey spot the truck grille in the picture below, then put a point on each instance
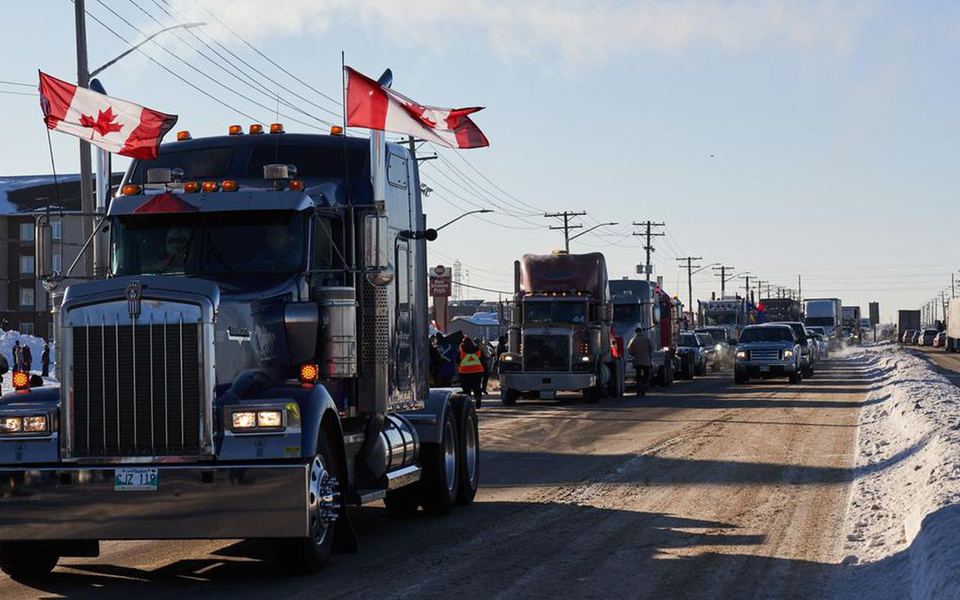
(764, 355)
(546, 353)
(136, 390)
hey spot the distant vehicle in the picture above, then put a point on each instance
(764, 351)
(697, 353)
(915, 340)
(851, 324)
(724, 349)
(940, 340)
(781, 309)
(821, 337)
(826, 313)
(926, 337)
(908, 337)
(637, 304)
(731, 314)
(808, 354)
(908, 320)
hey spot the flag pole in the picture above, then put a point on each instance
(343, 84)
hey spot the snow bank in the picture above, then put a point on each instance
(903, 521)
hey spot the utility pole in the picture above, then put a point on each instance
(649, 234)
(86, 166)
(746, 279)
(566, 227)
(799, 288)
(723, 278)
(690, 267)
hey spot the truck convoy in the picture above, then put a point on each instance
(826, 313)
(732, 313)
(781, 309)
(851, 324)
(561, 336)
(256, 360)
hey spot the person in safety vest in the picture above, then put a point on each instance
(471, 369)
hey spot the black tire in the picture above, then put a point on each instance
(439, 484)
(468, 434)
(509, 397)
(28, 560)
(740, 379)
(620, 384)
(703, 368)
(808, 373)
(795, 377)
(306, 556)
(668, 372)
(403, 503)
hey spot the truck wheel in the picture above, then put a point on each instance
(28, 560)
(795, 377)
(740, 379)
(509, 397)
(468, 433)
(615, 387)
(439, 484)
(702, 370)
(403, 503)
(668, 373)
(310, 555)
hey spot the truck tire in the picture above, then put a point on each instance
(439, 483)
(795, 377)
(616, 385)
(28, 560)
(305, 556)
(468, 434)
(740, 379)
(702, 369)
(509, 397)
(668, 373)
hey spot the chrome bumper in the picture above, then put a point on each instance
(191, 502)
(548, 381)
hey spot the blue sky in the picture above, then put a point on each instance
(779, 137)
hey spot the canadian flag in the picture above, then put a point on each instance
(115, 125)
(373, 106)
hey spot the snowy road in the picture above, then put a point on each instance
(704, 490)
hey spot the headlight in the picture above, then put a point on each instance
(585, 359)
(269, 418)
(788, 353)
(666, 348)
(31, 424)
(718, 348)
(244, 420)
(742, 354)
(250, 421)
(508, 358)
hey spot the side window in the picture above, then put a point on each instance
(397, 170)
(323, 244)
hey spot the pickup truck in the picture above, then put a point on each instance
(769, 350)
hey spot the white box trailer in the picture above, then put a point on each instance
(953, 325)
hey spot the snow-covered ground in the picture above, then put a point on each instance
(902, 532)
(7, 339)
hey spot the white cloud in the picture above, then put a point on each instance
(575, 31)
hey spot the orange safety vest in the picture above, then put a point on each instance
(470, 363)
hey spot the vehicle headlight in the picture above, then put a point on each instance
(742, 354)
(249, 421)
(788, 353)
(585, 359)
(718, 348)
(29, 424)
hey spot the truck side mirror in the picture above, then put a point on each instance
(43, 240)
(376, 249)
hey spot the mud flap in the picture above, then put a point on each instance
(345, 540)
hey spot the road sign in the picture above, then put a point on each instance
(874, 313)
(441, 282)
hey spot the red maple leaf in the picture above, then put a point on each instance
(103, 124)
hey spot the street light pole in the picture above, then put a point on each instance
(472, 212)
(585, 231)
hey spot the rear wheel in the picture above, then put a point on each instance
(439, 461)
(28, 560)
(795, 377)
(509, 397)
(310, 555)
(468, 431)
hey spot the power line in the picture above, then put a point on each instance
(566, 227)
(30, 85)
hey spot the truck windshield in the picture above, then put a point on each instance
(573, 313)
(766, 334)
(626, 313)
(256, 242)
(688, 341)
(822, 321)
(720, 318)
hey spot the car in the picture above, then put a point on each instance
(808, 356)
(820, 335)
(940, 340)
(724, 357)
(908, 336)
(769, 350)
(926, 337)
(697, 352)
(915, 340)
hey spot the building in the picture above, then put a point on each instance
(24, 304)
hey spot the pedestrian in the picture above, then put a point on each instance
(45, 361)
(485, 356)
(639, 351)
(501, 349)
(27, 360)
(4, 367)
(471, 369)
(17, 356)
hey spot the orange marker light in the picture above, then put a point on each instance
(183, 135)
(229, 186)
(256, 128)
(336, 130)
(210, 186)
(309, 373)
(21, 380)
(236, 130)
(191, 187)
(276, 128)
(296, 185)
(130, 190)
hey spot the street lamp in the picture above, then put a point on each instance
(472, 212)
(96, 72)
(586, 231)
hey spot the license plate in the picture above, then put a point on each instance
(136, 480)
(764, 369)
